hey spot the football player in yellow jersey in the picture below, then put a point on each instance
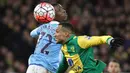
(78, 51)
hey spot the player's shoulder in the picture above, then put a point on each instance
(50, 23)
(49, 26)
(81, 41)
(83, 38)
(54, 22)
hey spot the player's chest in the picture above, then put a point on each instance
(70, 49)
(72, 57)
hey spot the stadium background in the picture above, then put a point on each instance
(91, 17)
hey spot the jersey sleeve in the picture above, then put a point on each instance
(87, 41)
(35, 32)
(63, 66)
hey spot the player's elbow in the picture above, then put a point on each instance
(32, 34)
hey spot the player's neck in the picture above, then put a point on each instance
(67, 38)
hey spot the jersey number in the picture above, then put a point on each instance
(47, 44)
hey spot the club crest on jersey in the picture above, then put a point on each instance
(72, 49)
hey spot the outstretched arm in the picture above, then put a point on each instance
(86, 41)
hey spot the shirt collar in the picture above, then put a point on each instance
(70, 38)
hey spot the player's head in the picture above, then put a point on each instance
(63, 32)
(60, 12)
(113, 67)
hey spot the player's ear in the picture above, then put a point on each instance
(67, 34)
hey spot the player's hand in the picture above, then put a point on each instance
(116, 42)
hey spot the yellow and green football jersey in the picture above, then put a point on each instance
(79, 56)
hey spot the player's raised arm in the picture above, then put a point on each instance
(86, 41)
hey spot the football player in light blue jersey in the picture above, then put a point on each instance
(46, 56)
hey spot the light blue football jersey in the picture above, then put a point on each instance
(47, 52)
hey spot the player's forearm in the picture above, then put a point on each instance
(106, 39)
(87, 41)
(97, 40)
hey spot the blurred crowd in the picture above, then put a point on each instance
(89, 17)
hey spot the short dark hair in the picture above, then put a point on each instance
(49, 1)
(55, 4)
(114, 60)
(67, 26)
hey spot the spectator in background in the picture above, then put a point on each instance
(114, 67)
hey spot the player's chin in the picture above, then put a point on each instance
(57, 41)
(110, 70)
(65, 17)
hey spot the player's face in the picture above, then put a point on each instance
(60, 13)
(60, 36)
(113, 67)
